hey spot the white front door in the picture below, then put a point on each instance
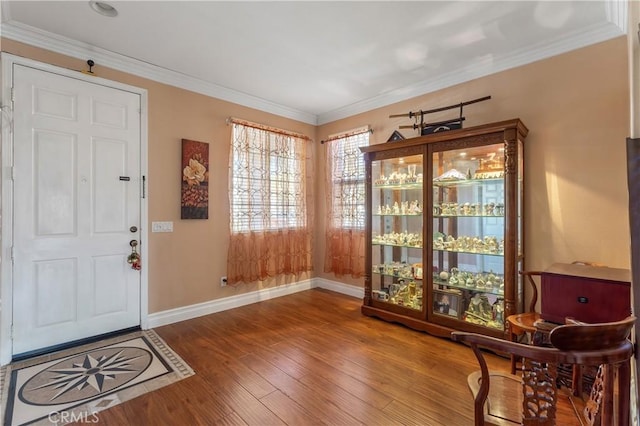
(76, 207)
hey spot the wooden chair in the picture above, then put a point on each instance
(521, 324)
(506, 399)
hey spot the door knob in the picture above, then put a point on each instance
(133, 243)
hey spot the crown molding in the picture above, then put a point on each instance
(617, 13)
(592, 35)
(76, 49)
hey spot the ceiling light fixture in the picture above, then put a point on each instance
(103, 8)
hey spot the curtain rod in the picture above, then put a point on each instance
(246, 123)
(352, 132)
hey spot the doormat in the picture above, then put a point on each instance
(74, 384)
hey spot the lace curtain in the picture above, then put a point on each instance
(268, 196)
(345, 220)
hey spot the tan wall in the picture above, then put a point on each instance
(576, 107)
(184, 266)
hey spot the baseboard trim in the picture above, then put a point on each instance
(339, 287)
(184, 313)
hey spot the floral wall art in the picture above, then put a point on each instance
(195, 180)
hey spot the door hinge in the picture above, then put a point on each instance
(13, 94)
(13, 253)
(144, 186)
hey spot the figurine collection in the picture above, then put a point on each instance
(400, 178)
(485, 281)
(405, 208)
(404, 239)
(468, 209)
(486, 245)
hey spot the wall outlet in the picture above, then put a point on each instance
(223, 281)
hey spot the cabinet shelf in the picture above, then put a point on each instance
(417, 185)
(467, 182)
(396, 245)
(473, 288)
(468, 252)
(456, 216)
(400, 277)
(491, 290)
(398, 215)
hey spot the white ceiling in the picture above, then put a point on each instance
(314, 61)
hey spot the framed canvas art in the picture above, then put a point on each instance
(194, 201)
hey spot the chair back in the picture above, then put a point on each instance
(587, 337)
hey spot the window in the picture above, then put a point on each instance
(345, 203)
(267, 180)
(346, 164)
(268, 198)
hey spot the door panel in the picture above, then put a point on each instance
(109, 277)
(56, 283)
(75, 142)
(109, 160)
(54, 187)
(109, 115)
(48, 102)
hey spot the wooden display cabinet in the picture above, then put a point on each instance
(445, 229)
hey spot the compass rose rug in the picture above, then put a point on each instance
(73, 385)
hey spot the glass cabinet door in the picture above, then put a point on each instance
(468, 208)
(397, 232)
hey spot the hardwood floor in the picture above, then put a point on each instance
(308, 359)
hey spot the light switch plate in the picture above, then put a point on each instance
(161, 226)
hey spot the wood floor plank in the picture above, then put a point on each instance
(218, 362)
(166, 404)
(310, 358)
(348, 402)
(284, 363)
(413, 415)
(288, 410)
(246, 406)
(319, 407)
(359, 386)
(232, 419)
